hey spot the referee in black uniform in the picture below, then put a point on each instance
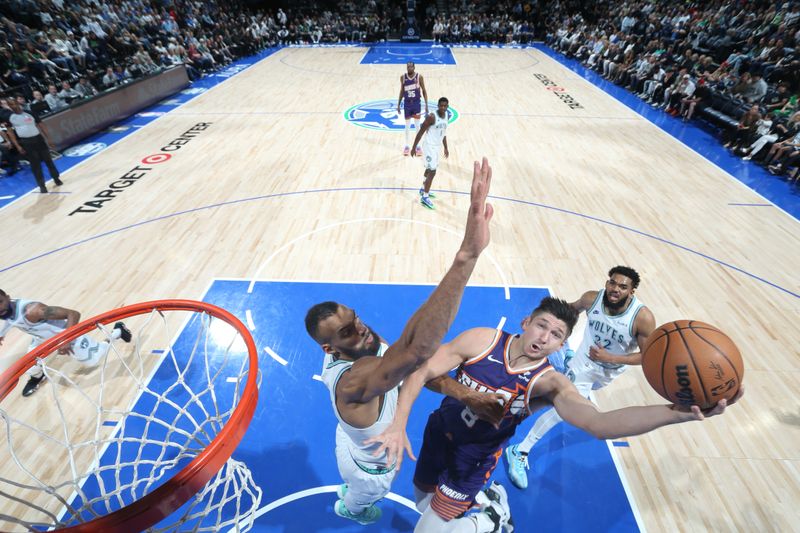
(30, 138)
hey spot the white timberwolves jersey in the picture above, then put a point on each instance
(435, 135)
(613, 333)
(84, 349)
(332, 371)
(40, 331)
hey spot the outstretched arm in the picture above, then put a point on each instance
(425, 330)
(434, 372)
(584, 302)
(39, 312)
(625, 422)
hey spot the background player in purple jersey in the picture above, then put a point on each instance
(411, 85)
(459, 451)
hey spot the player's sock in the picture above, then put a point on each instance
(408, 132)
(543, 424)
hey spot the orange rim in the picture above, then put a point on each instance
(163, 501)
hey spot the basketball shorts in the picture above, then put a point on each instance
(454, 473)
(84, 350)
(430, 157)
(367, 482)
(588, 375)
(411, 108)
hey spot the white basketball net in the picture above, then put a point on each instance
(93, 440)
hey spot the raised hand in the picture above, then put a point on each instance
(695, 413)
(489, 406)
(476, 236)
(393, 441)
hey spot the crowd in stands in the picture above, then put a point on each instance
(47, 42)
(56, 52)
(734, 65)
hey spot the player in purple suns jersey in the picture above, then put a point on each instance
(459, 451)
(617, 328)
(363, 373)
(411, 87)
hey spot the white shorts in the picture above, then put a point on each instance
(366, 482)
(588, 375)
(84, 350)
(430, 157)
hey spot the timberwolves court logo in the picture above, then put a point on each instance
(382, 115)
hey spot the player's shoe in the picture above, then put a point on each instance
(517, 466)
(33, 384)
(419, 151)
(422, 193)
(370, 515)
(341, 490)
(499, 508)
(427, 203)
(124, 332)
(406, 151)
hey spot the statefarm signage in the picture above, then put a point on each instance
(559, 91)
(140, 170)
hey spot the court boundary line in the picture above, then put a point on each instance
(334, 225)
(591, 83)
(272, 196)
(136, 130)
(299, 495)
(637, 515)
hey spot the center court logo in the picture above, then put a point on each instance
(382, 115)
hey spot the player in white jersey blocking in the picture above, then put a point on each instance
(43, 321)
(618, 325)
(435, 130)
(363, 373)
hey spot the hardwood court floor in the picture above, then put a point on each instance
(278, 185)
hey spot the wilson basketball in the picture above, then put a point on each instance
(692, 363)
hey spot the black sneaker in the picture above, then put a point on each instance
(499, 498)
(33, 384)
(124, 332)
(495, 516)
(58, 182)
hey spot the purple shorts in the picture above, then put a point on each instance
(454, 472)
(411, 108)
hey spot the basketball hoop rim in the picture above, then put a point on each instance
(160, 503)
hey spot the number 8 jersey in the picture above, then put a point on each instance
(490, 372)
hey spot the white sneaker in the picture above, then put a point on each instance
(499, 504)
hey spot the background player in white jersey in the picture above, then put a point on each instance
(435, 130)
(618, 324)
(363, 373)
(412, 90)
(43, 321)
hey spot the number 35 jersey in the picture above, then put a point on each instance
(490, 372)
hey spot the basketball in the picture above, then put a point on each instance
(692, 363)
